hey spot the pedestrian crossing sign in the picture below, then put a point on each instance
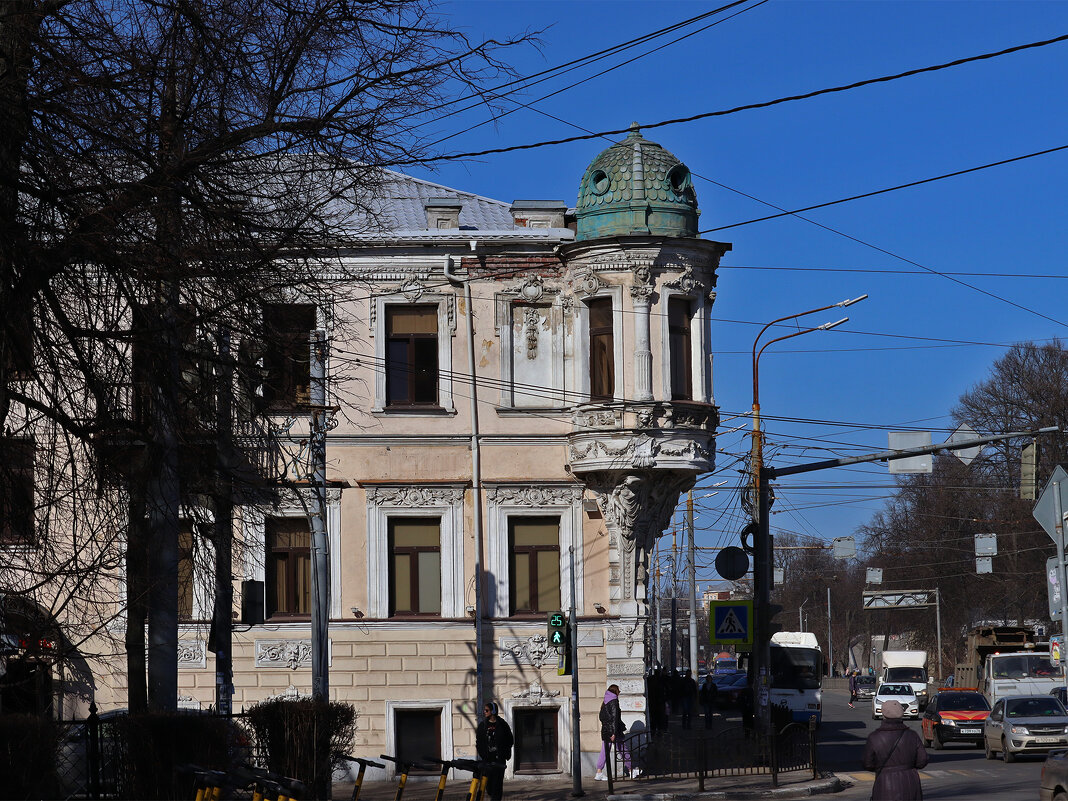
(731, 623)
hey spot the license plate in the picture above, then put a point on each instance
(971, 731)
(1047, 739)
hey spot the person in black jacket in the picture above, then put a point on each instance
(612, 733)
(493, 741)
(896, 755)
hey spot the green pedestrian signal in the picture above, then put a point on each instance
(558, 630)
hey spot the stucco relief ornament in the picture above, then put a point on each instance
(535, 694)
(532, 289)
(412, 290)
(645, 451)
(534, 651)
(283, 653)
(535, 496)
(532, 322)
(414, 496)
(686, 282)
(588, 283)
(191, 653)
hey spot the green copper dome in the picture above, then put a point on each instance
(636, 187)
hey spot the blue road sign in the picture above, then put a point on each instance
(731, 623)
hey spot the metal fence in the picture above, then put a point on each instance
(736, 751)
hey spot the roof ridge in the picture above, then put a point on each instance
(425, 182)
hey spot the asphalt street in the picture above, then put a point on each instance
(959, 772)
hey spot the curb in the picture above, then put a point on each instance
(829, 784)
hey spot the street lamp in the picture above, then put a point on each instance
(762, 556)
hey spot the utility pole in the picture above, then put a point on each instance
(674, 608)
(830, 650)
(576, 744)
(221, 634)
(692, 570)
(320, 544)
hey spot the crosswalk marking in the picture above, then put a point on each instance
(868, 776)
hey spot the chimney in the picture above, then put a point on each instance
(443, 212)
(538, 213)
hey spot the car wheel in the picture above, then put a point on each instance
(936, 741)
(986, 748)
(1006, 754)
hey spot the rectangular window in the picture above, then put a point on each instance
(185, 570)
(679, 348)
(411, 356)
(415, 566)
(534, 546)
(288, 567)
(418, 736)
(602, 350)
(18, 352)
(16, 491)
(535, 739)
(287, 357)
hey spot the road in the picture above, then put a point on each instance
(959, 772)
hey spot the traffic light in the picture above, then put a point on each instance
(560, 638)
(558, 630)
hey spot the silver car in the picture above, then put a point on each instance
(895, 692)
(1025, 724)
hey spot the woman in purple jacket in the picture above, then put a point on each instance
(895, 753)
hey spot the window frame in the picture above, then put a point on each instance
(582, 367)
(445, 705)
(413, 552)
(290, 576)
(411, 363)
(446, 306)
(290, 347)
(680, 348)
(22, 476)
(700, 346)
(545, 499)
(293, 503)
(532, 566)
(444, 501)
(608, 393)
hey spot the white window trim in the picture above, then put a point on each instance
(445, 502)
(446, 331)
(510, 706)
(203, 576)
(505, 501)
(505, 303)
(700, 379)
(444, 705)
(582, 340)
(255, 536)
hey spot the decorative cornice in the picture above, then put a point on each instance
(534, 495)
(414, 497)
(587, 283)
(535, 694)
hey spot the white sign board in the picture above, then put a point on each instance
(904, 440)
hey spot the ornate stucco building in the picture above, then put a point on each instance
(514, 384)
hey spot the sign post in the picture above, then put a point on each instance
(1049, 512)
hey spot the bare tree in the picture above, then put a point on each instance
(167, 170)
(925, 535)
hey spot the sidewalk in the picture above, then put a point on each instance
(794, 784)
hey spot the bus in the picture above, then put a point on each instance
(797, 674)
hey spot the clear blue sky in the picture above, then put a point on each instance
(898, 363)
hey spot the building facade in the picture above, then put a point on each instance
(517, 391)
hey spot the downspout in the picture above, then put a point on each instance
(476, 476)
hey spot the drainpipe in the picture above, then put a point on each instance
(476, 477)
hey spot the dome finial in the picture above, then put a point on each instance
(635, 129)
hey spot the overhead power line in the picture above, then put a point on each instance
(748, 107)
(888, 189)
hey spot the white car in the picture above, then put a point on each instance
(895, 692)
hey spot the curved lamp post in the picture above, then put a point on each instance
(762, 556)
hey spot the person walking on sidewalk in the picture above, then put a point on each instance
(895, 753)
(612, 731)
(493, 742)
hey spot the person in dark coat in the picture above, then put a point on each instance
(852, 688)
(708, 698)
(612, 733)
(895, 753)
(493, 742)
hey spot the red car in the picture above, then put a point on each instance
(955, 715)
